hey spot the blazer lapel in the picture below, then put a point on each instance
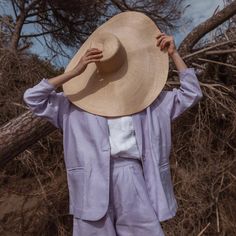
(102, 121)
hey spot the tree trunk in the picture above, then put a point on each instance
(197, 33)
(16, 34)
(20, 133)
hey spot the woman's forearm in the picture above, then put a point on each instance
(91, 55)
(61, 79)
(167, 42)
(179, 63)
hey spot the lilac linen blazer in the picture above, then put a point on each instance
(87, 149)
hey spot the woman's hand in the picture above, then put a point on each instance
(166, 42)
(91, 55)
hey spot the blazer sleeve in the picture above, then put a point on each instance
(178, 100)
(44, 101)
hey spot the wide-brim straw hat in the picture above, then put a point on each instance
(131, 73)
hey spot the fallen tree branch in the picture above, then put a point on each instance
(201, 30)
(20, 133)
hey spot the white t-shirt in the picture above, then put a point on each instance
(122, 137)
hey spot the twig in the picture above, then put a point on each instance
(217, 209)
(220, 51)
(199, 66)
(208, 85)
(217, 62)
(217, 218)
(208, 48)
(226, 36)
(234, 177)
(219, 103)
(19, 105)
(204, 229)
(175, 71)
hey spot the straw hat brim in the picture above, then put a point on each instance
(139, 80)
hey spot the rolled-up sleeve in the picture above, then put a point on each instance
(45, 102)
(180, 99)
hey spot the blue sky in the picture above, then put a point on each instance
(198, 12)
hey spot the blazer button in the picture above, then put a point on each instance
(144, 158)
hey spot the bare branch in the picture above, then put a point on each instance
(220, 52)
(14, 7)
(31, 6)
(40, 34)
(208, 48)
(217, 62)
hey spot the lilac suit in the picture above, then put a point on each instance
(87, 149)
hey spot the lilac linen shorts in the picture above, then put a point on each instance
(130, 212)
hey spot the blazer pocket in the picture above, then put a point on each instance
(76, 185)
(167, 185)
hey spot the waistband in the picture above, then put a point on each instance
(124, 161)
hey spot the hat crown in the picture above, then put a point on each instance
(113, 52)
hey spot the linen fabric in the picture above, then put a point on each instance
(130, 212)
(87, 149)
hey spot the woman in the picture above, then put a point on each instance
(131, 211)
